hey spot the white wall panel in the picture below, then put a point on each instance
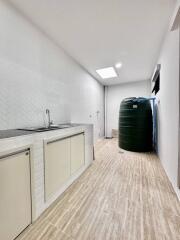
(36, 74)
(115, 94)
(168, 107)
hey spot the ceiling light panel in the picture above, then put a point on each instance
(105, 73)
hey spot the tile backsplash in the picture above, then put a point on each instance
(25, 95)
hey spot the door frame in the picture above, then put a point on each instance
(175, 26)
(179, 114)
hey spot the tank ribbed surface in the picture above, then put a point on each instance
(135, 125)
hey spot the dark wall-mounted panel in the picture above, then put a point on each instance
(156, 80)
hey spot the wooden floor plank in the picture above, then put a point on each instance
(122, 196)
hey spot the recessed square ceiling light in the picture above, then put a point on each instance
(107, 72)
(118, 65)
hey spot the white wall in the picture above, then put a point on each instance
(36, 74)
(115, 94)
(168, 107)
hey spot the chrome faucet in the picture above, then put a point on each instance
(50, 122)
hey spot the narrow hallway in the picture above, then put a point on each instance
(122, 195)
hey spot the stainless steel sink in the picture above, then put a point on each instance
(44, 129)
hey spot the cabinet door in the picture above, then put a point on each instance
(15, 195)
(77, 152)
(57, 165)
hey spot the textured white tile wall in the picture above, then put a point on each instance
(36, 74)
(24, 96)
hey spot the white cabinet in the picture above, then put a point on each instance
(77, 152)
(15, 195)
(63, 157)
(57, 165)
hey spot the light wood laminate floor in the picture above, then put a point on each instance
(124, 196)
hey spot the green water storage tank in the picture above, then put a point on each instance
(135, 125)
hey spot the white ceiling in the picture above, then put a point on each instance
(100, 33)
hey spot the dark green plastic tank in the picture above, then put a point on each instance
(135, 125)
